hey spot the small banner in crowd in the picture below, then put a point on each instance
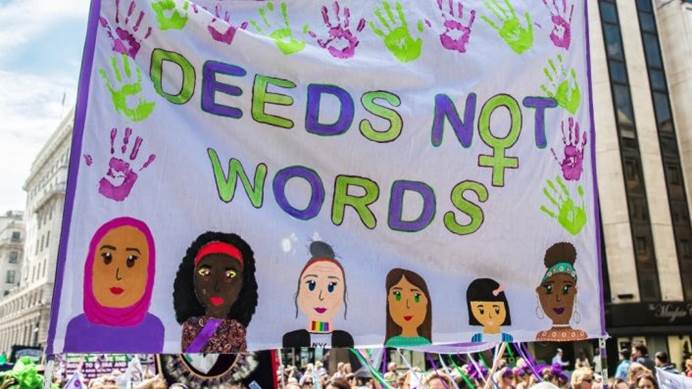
(252, 175)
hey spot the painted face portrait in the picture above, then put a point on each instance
(120, 267)
(408, 306)
(556, 295)
(218, 277)
(321, 291)
(487, 306)
(320, 296)
(489, 313)
(218, 280)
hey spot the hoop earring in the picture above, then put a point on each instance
(576, 315)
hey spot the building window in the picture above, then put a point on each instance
(14, 256)
(642, 237)
(16, 236)
(9, 278)
(675, 184)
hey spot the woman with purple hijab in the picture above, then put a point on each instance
(118, 283)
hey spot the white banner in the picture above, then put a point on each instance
(252, 175)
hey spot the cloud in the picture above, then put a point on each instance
(30, 108)
(31, 103)
(22, 20)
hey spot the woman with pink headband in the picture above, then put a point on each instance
(488, 307)
(215, 294)
(118, 283)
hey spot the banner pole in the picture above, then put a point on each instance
(496, 362)
(48, 371)
(603, 354)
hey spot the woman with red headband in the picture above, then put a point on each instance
(321, 293)
(215, 294)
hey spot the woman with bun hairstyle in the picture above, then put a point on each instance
(320, 294)
(557, 293)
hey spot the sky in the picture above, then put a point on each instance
(40, 54)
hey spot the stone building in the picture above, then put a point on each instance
(642, 88)
(25, 311)
(11, 249)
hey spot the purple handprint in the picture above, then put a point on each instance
(341, 42)
(126, 39)
(221, 29)
(573, 162)
(457, 33)
(120, 177)
(562, 23)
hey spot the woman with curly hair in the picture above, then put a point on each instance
(557, 294)
(215, 294)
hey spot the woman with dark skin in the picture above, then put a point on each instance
(557, 293)
(215, 294)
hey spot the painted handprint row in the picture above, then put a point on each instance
(340, 35)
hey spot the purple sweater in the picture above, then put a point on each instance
(85, 336)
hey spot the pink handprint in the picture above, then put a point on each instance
(562, 23)
(120, 177)
(457, 33)
(573, 162)
(341, 42)
(126, 39)
(221, 29)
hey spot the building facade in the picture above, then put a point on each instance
(642, 85)
(26, 309)
(11, 250)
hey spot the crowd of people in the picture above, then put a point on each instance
(636, 370)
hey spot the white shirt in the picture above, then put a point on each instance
(558, 359)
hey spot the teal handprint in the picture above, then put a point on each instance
(283, 36)
(518, 37)
(572, 217)
(397, 39)
(563, 85)
(125, 87)
(170, 15)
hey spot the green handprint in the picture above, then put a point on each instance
(168, 14)
(127, 87)
(398, 39)
(567, 95)
(283, 37)
(518, 37)
(570, 216)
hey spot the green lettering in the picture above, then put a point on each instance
(497, 160)
(468, 208)
(187, 89)
(388, 114)
(261, 97)
(342, 199)
(225, 184)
